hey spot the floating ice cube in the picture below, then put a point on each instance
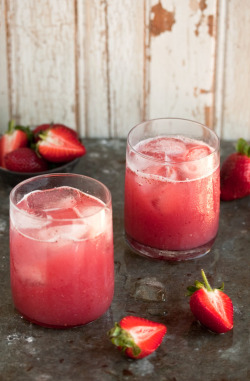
(52, 199)
(167, 172)
(163, 147)
(197, 152)
(197, 169)
(63, 232)
(25, 222)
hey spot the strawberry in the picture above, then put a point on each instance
(15, 137)
(235, 173)
(137, 337)
(58, 145)
(24, 159)
(43, 127)
(212, 307)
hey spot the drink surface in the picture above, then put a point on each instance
(172, 193)
(61, 248)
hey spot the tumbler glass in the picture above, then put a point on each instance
(172, 189)
(61, 249)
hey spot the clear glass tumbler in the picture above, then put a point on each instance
(61, 249)
(172, 189)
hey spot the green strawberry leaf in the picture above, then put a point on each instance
(243, 147)
(198, 285)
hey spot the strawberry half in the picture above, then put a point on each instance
(15, 137)
(59, 145)
(137, 337)
(43, 127)
(212, 307)
(24, 159)
(235, 173)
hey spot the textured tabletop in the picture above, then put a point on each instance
(143, 287)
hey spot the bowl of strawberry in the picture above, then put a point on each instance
(48, 148)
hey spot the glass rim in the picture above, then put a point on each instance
(76, 175)
(169, 162)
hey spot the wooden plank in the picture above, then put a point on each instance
(42, 61)
(182, 54)
(94, 115)
(125, 64)
(4, 91)
(236, 105)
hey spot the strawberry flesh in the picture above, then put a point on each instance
(58, 145)
(212, 307)
(137, 337)
(43, 127)
(24, 159)
(235, 173)
(14, 138)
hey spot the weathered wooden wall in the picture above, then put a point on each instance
(101, 66)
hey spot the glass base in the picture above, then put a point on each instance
(168, 255)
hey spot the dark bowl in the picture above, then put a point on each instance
(12, 178)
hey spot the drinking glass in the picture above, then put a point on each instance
(61, 249)
(172, 189)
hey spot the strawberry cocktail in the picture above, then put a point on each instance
(61, 249)
(172, 189)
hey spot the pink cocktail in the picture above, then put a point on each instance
(61, 249)
(172, 189)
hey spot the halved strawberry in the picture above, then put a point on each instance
(15, 137)
(212, 307)
(43, 127)
(24, 159)
(59, 145)
(137, 337)
(235, 173)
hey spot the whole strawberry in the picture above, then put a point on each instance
(58, 144)
(15, 137)
(137, 337)
(24, 159)
(235, 173)
(212, 307)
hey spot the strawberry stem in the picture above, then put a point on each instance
(207, 285)
(11, 126)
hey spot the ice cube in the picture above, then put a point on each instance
(60, 232)
(164, 148)
(199, 168)
(26, 223)
(31, 274)
(149, 289)
(197, 152)
(168, 172)
(53, 199)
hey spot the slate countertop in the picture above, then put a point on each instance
(143, 287)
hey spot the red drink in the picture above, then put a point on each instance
(172, 197)
(61, 250)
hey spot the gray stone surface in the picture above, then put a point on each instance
(151, 289)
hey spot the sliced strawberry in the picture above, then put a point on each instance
(235, 173)
(59, 145)
(15, 137)
(43, 127)
(137, 337)
(24, 159)
(212, 307)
